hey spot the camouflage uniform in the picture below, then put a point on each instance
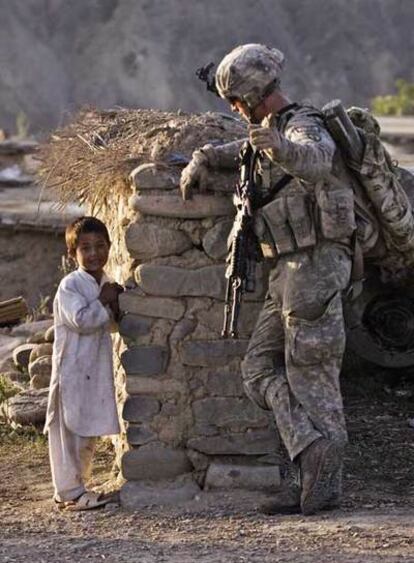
(294, 356)
(305, 228)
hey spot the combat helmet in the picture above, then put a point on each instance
(249, 73)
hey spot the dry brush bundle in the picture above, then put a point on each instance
(89, 160)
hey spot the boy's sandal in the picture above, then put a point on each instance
(87, 501)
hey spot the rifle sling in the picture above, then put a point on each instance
(280, 184)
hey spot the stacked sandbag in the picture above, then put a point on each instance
(30, 370)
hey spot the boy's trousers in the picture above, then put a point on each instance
(70, 459)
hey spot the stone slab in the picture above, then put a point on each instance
(249, 477)
(28, 407)
(199, 207)
(7, 345)
(255, 442)
(214, 316)
(145, 360)
(226, 411)
(153, 386)
(132, 326)
(154, 176)
(158, 307)
(170, 281)
(147, 240)
(154, 462)
(221, 383)
(138, 435)
(140, 409)
(206, 353)
(215, 239)
(136, 495)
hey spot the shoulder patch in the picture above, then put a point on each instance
(306, 133)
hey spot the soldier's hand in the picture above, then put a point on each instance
(265, 138)
(194, 175)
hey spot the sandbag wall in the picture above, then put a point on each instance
(187, 420)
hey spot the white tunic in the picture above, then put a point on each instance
(82, 372)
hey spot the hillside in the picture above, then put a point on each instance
(56, 56)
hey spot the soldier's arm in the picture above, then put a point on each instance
(223, 157)
(306, 150)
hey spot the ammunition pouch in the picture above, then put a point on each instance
(287, 224)
(336, 213)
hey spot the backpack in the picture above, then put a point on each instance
(382, 203)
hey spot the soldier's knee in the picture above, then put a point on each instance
(312, 342)
(255, 375)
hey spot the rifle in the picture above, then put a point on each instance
(244, 249)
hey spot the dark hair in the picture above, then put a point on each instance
(81, 226)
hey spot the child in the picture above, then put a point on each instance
(82, 397)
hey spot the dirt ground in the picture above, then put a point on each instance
(374, 524)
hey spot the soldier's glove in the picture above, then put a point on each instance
(267, 139)
(194, 175)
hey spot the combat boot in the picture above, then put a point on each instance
(320, 468)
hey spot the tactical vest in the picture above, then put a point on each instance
(297, 217)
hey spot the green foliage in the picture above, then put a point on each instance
(7, 390)
(399, 104)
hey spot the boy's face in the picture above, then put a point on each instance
(92, 252)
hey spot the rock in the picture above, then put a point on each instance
(16, 378)
(21, 355)
(28, 329)
(140, 409)
(199, 460)
(139, 435)
(42, 367)
(211, 352)
(248, 477)
(255, 442)
(45, 349)
(154, 176)
(136, 385)
(132, 326)
(225, 411)
(50, 334)
(215, 240)
(198, 207)
(37, 338)
(171, 281)
(222, 383)
(40, 381)
(135, 303)
(28, 407)
(214, 316)
(183, 328)
(145, 360)
(147, 240)
(7, 345)
(135, 495)
(154, 462)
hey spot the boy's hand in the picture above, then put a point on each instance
(109, 293)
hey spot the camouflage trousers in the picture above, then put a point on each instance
(295, 353)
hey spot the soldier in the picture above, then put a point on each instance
(294, 355)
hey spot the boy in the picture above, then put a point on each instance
(82, 402)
